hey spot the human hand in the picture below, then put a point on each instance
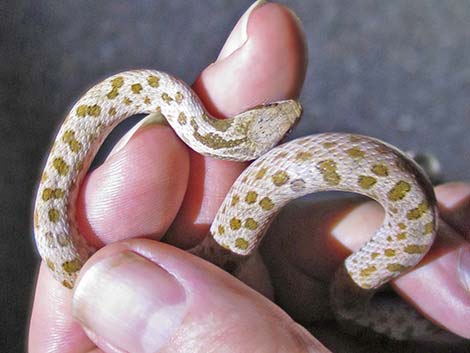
(183, 303)
(174, 300)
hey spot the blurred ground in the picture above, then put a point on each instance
(398, 70)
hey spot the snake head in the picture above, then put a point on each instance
(271, 123)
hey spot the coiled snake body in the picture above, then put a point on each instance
(330, 161)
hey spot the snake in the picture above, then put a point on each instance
(322, 162)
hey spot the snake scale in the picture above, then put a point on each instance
(329, 161)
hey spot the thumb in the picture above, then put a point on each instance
(145, 296)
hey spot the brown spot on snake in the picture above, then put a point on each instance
(153, 81)
(428, 228)
(218, 124)
(235, 223)
(182, 118)
(399, 191)
(368, 271)
(328, 170)
(329, 145)
(380, 170)
(417, 213)
(136, 88)
(50, 264)
(215, 141)
(251, 224)
(72, 266)
(396, 267)
(53, 215)
(415, 249)
(235, 200)
(266, 204)
(366, 182)
(251, 197)
(356, 153)
(241, 243)
(261, 173)
(60, 166)
(69, 138)
(179, 97)
(67, 284)
(280, 178)
(166, 98)
(82, 111)
(303, 156)
(48, 194)
(401, 236)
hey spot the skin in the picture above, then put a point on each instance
(169, 191)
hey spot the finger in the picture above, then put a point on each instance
(146, 296)
(321, 235)
(263, 60)
(52, 327)
(440, 286)
(137, 191)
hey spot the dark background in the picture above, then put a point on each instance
(398, 70)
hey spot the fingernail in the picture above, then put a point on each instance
(464, 268)
(129, 302)
(151, 119)
(239, 34)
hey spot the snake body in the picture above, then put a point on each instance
(330, 161)
(342, 162)
(242, 137)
